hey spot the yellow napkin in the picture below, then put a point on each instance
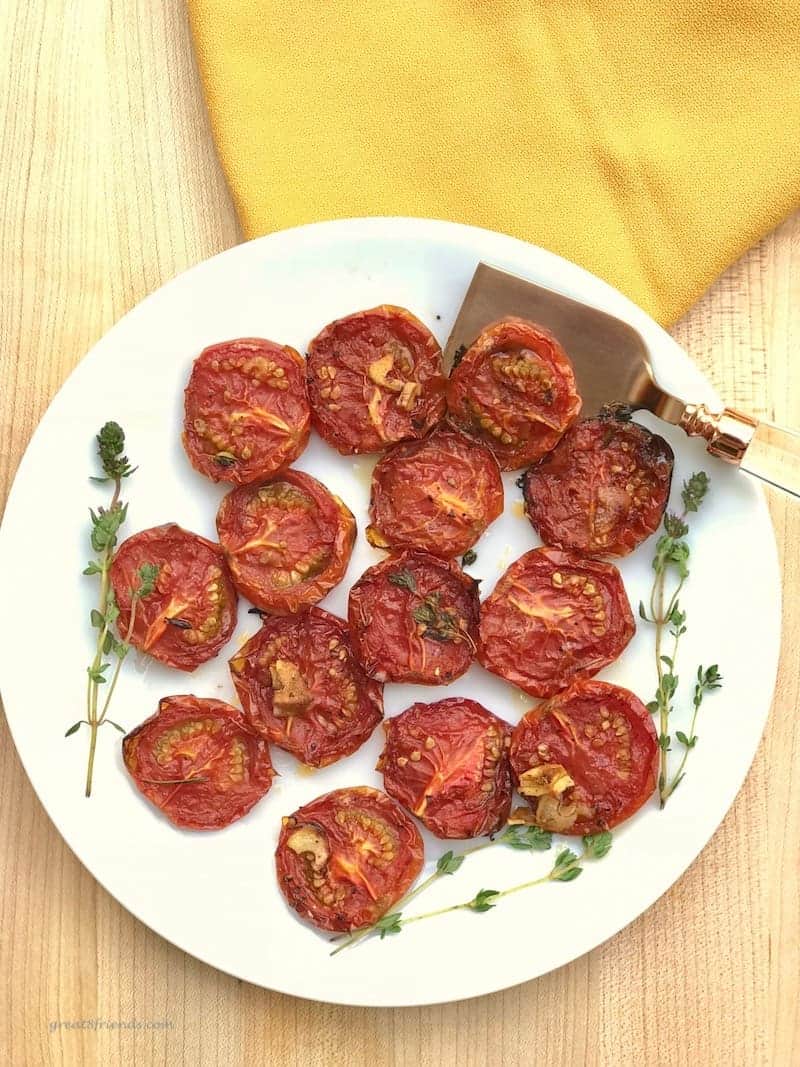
(652, 142)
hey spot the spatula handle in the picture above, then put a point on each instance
(759, 448)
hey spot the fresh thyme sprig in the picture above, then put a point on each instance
(521, 838)
(708, 679)
(106, 523)
(671, 563)
(567, 867)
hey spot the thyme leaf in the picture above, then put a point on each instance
(483, 900)
(449, 863)
(404, 580)
(111, 450)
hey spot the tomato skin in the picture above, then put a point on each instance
(603, 737)
(270, 530)
(438, 494)
(193, 585)
(602, 490)
(356, 885)
(389, 641)
(514, 390)
(246, 410)
(552, 618)
(192, 737)
(447, 763)
(338, 707)
(375, 378)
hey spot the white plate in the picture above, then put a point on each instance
(215, 894)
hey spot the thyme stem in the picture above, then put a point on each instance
(92, 685)
(567, 867)
(106, 523)
(672, 557)
(438, 873)
(118, 666)
(522, 838)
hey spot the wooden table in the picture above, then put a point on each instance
(110, 186)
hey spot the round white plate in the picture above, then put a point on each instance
(215, 894)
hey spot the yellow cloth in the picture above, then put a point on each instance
(652, 142)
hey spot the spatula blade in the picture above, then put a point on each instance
(610, 358)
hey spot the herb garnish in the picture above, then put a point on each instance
(672, 561)
(438, 624)
(567, 867)
(106, 523)
(404, 579)
(521, 838)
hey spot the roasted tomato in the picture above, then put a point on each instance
(514, 390)
(587, 759)
(414, 618)
(602, 490)
(287, 541)
(199, 762)
(375, 378)
(554, 617)
(448, 764)
(302, 688)
(344, 859)
(439, 494)
(246, 410)
(191, 612)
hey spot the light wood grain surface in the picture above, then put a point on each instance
(108, 187)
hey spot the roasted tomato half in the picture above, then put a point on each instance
(344, 859)
(246, 410)
(191, 612)
(199, 762)
(514, 390)
(447, 763)
(602, 490)
(375, 378)
(414, 618)
(302, 688)
(287, 541)
(554, 617)
(587, 759)
(439, 494)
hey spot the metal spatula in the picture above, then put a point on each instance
(612, 366)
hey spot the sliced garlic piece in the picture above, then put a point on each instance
(307, 841)
(556, 814)
(548, 779)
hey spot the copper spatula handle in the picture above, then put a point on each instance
(759, 448)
